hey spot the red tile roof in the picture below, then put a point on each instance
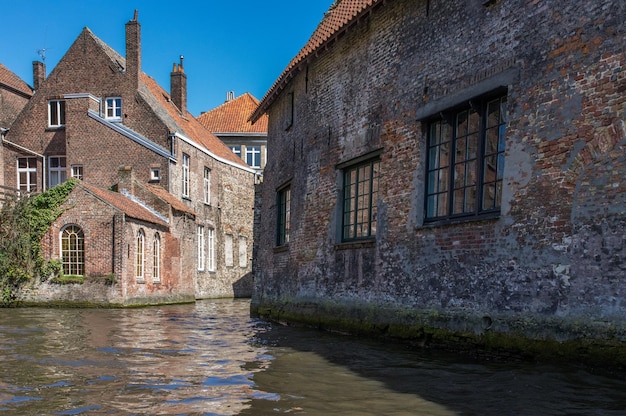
(169, 198)
(336, 20)
(162, 105)
(9, 79)
(233, 117)
(123, 203)
(185, 124)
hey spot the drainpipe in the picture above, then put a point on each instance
(22, 148)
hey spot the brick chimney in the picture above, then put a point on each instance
(39, 74)
(178, 86)
(133, 51)
(126, 180)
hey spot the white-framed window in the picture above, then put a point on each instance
(253, 156)
(185, 175)
(57, 170)
(201, 248)
(207, 185)
(77, 172)
(113, 108)
(73, 250)
(156, 258)
(211, 256)
(56, 113)
(140, 255)
(243, 252)
(228, 250)
(155, 174)
(27, 174)
(236, 150)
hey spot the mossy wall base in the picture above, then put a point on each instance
(536, 338)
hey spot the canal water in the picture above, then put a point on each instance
(211, 358)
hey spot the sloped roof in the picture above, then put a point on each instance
(11, 80)
(161, 103)
(233, 117)
(169, 198)
(337, 20)
(186, 124)
(129, 207)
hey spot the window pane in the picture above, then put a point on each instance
(359, 202)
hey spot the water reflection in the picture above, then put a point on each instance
(212, 359)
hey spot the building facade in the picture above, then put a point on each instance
(231, 123)
(98, 118)
(14, 94)
(450, 170)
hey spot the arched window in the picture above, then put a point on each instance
(73, 250)
(139, 261)
(156, 258)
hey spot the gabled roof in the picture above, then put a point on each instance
(233, 117)
(161, 104)
(9, 79)
(339, 18)
(185, 124)
(124, 204)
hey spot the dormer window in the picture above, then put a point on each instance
(113, 108)
(56, 113)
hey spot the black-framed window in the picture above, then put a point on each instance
(284, 215)
(465, 160)
(359, 202)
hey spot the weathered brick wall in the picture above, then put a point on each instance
(10, 106)
(556, 251)
(110, 249)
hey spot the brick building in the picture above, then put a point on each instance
(179, 224)
(14, 94)
(231, 123)
(450, 167)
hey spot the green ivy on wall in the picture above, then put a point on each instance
(23, 223)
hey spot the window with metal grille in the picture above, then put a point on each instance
(465, 161)
(360, 195)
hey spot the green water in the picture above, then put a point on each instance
(211, 358)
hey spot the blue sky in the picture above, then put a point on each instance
(241, 46)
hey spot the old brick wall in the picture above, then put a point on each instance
(110, 249)
(556, 250)
(11, 103)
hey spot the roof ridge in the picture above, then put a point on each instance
(339, 16)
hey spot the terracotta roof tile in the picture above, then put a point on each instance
(169, 198)
(337, 19)
(184, 124)
(123, 203)
(10, 79)
(233, 117)
(161, 103)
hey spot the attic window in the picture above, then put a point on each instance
(155, 174)
(113, 108)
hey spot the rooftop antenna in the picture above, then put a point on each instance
(42, 54)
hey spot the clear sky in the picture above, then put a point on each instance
(228, 45)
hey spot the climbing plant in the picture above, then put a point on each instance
(23, 223)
